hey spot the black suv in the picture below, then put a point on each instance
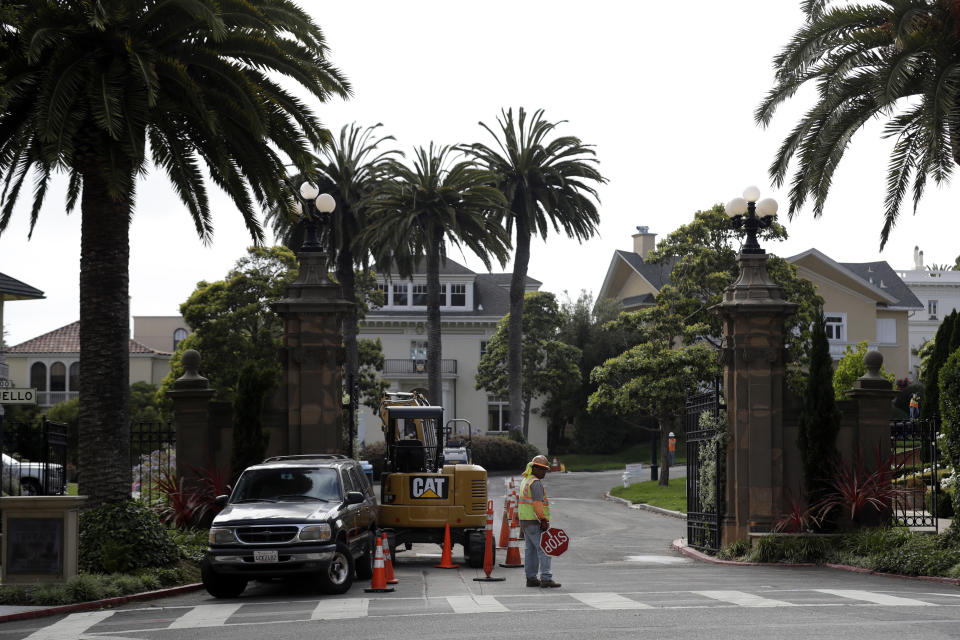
(290, 516)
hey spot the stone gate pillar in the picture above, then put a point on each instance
(191, 395)
(754, 362)
(311, 356)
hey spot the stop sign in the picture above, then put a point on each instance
(554, 541)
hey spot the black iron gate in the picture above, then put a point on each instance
(704, 469)
(153, 456)
(34, 458)
(914, 464)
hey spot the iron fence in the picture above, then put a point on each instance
(153, 456)
(34, 458)
(915, 464)
(704, 470)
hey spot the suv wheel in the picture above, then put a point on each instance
(221, 586)
(364, 564)
(338, 575)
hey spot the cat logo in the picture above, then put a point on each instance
(434, 487)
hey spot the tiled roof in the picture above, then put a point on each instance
(13, 289)
(67, 340)
(876, 273)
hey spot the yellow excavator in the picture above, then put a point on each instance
(419, 492)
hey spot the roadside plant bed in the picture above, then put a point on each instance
(97, 586)
(882, 549)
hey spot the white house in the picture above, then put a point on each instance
(472, 305)
(939, 293)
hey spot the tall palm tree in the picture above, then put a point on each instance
(898, 59)
(546, 183)
(348, 169)
(417, 210)
(100, 90)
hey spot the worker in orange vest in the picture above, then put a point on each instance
(915, 406)
(672, 446)
(534, 520)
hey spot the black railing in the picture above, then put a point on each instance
(704, 471)
(914, 464)
(34, 458)
(401, 366)
(153, 456)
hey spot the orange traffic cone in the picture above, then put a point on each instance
(488, 550)
(505, 523)
(379, 582)
(556, 464)
(446, 560)
(513, 551)
(388, 561)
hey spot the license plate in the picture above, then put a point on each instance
(265, 556)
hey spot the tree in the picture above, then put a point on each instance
(852, 366)
(549, 365)
(417, 210)
(249, 439)
(232, 321)
(820, 417)
(546, 183)
(369, 384)
(349, 169)
(705, 264)
(101, 90)
(655, 376)
(895, 58)
(943, 340)
(949, 383)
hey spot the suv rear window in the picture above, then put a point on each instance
(287, 484)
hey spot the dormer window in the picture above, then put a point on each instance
(458, 295)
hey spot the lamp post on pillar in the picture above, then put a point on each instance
(754, 374)
(312, 353)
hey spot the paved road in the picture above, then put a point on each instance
(620, 579)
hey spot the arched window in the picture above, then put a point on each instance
(178, 336)
(38, 376)
(75, 376)
(58, 377)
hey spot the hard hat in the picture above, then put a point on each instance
(671, 434)
(540, 461)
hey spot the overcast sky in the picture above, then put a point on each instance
(665, 92)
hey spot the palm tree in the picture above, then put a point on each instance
(894, 58)
(416, 211)
(348, 169)
(100, 90)
(546, 183)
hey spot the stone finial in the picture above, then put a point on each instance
(872, 378)
(191, 379)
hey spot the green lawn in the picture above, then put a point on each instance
(673, 497)
(606, 462)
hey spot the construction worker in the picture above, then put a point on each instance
(671, 446)
(915, 406)
(534, 520)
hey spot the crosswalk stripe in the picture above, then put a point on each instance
(609, 601)
(475, 604)
(70, 627)
(876, 598)
(743, 599)
(205, 615)
(340, 609)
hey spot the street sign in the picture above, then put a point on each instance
(18, 396)
(554, 541)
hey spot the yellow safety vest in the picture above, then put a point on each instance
(526, 502)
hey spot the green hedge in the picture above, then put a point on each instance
(498, 453)
(122, 537)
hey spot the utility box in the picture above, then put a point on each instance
(40, 538)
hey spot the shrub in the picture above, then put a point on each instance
(123, 536)
(376, 454)
(734, 551)
(919, 555)
(500, 453)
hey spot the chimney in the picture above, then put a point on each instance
(644, 241)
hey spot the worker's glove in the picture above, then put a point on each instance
(544, 524)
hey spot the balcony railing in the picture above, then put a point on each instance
(50, 398)
(837, 348)
(408, 367)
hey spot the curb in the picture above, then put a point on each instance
(641, 506)
(698, 555)
(101, 604)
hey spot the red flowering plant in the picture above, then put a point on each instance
(856, 490)
(799, 519)
(191, 503)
